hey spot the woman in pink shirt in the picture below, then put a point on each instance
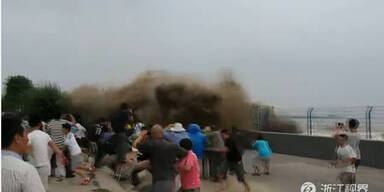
(189, 170)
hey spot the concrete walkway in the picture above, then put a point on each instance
(288, 173)
(102, 182)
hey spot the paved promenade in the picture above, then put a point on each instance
(288, 173)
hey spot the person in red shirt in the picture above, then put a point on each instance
(189, 170)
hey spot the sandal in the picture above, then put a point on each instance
(85, 181)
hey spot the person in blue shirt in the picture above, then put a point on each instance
(199, 142)
(264, 157)
(176, 133)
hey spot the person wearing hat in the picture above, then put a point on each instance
(176, 133)
(162, 155)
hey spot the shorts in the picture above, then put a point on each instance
(236, 167)
(76, 161)
(347, 178)
(262, 160)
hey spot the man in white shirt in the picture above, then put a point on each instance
(354, 139)
(346, 158)
(16, 175)
(39, 146)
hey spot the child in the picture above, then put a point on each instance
(346, 159)
(264, 157)
(75, 152)
(354, 139)
(189, 169)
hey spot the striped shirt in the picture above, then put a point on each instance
(55, 130)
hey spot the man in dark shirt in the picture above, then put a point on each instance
(162, 156)
(233, 161)
(121, 119)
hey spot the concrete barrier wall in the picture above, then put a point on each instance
(372, 152)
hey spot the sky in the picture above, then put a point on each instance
(294, 53)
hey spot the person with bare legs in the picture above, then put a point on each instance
(76, 155)
(233, 162)
(265, 153)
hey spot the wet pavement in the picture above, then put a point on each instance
(288, 173)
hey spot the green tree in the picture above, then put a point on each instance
(46, 101)
(16, 88)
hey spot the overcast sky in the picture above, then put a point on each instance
(286, 53)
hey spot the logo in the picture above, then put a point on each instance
(308, 187)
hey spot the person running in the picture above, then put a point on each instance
(175, 133)
(40, 142)
(346, 158)
(122, 131)
(265, 153)
(233, 162)
(354, 139)
(199, 141)
(68, 170)
(215, 152)
(189, 169)
(16, 175)
(54, 129)
(162, 155)
(121, 121)
(76, 155)
(77, 129)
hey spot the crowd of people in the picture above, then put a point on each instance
(35, 152)
(52, 149)
(174, 155)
